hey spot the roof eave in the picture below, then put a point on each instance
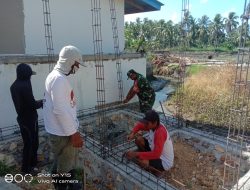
(139, 6)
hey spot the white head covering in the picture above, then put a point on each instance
(67, 57)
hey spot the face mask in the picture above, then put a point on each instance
(75, 69)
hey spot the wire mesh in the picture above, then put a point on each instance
(116, 148)
(12, 132)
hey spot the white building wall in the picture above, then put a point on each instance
(71, 24)
(83, 83)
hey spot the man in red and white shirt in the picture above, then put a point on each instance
(156, 148)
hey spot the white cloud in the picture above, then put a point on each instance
(203, 1)
(190, 7)
(129, 18)
(225, 14)
(174, 17)
(133, 17)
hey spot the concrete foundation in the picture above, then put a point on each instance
(115, 171)
(105, 165)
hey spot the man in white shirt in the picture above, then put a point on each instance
(59, 112)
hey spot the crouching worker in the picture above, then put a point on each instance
(156, 149)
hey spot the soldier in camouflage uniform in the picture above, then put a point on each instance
(143, 90)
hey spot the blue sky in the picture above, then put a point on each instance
(171, 10)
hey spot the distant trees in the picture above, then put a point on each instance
(200, 33)
(203, 32)
(231, 22)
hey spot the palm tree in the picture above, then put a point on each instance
(170, 34)
(185, 28)
(193, 29)
(161, 33)
(231, 22)
(216, 30)
(203, 24)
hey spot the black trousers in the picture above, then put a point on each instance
(29, 132)
(156, 163)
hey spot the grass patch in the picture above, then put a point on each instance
(34, 182)
(4, 169)
(205, 49)
(213, 49)
(207, 96)
(194, 69)
(79, 174)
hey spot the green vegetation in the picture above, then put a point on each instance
(4, 169)
(79, 174)
(194, 69)
(207, 90)
(34, 182)
(210, 48)
(204, 34)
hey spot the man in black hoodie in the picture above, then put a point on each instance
(26, 106)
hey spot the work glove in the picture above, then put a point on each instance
(76, 140)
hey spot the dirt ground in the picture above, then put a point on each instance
(193, 169)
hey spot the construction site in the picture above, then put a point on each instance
(206, 157)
